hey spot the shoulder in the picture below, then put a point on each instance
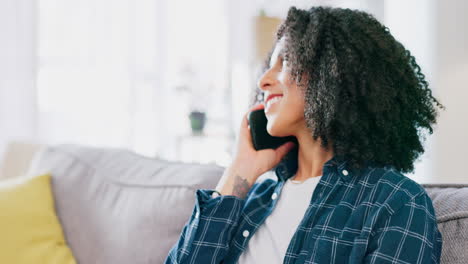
(392, 189)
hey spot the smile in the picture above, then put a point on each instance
(271, 102)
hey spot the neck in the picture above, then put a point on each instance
(311, 157)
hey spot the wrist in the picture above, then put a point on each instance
(238, 168)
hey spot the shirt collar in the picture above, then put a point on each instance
(289, 164)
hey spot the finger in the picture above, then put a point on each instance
(245, 129)
(282, 150)
(245, 135)
(258, 106)
(255, 107)
(245, 126)
(245, 120)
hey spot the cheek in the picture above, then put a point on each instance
(294, 105)
(291, 111)
(282, 78)
(285, 78)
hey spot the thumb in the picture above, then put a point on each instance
(245, 131)
(282, 150)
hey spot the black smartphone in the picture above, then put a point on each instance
(261, 139)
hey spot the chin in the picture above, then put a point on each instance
(275, 130)
(272, 133)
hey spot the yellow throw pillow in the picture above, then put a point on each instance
(30, 231)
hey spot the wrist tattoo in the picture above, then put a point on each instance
(241, 187)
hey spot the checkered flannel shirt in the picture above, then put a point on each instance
(371, 215)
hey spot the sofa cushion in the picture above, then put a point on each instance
(118, 207)
(29, 228)
(451, 208)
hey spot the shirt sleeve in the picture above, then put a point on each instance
(409, 235)
(206, 235)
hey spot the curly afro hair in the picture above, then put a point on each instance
(363, 91)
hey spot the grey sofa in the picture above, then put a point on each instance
(118, 207)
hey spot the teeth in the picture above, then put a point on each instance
(273, 100)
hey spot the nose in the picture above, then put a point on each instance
(266, 81)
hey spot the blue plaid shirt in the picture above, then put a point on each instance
(372, 215)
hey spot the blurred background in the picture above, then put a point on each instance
(171, 79)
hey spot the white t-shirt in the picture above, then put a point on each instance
(270, 242)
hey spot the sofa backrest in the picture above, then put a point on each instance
(118, 207)
(451, 207)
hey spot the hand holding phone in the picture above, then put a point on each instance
(251, 162)
(261, 139)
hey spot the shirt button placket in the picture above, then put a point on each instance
(214, 194)
(274, 196)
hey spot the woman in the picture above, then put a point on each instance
(356, 101)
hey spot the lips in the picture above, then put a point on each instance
(271, 100)
(271, 97)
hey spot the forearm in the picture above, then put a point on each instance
(236, 183)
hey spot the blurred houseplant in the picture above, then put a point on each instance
(198, 97)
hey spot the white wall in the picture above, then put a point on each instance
(435, 32)
(17, 71)
(412, 23)
(452, 89)
(241, 57)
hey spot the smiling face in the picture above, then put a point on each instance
(285, 113)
